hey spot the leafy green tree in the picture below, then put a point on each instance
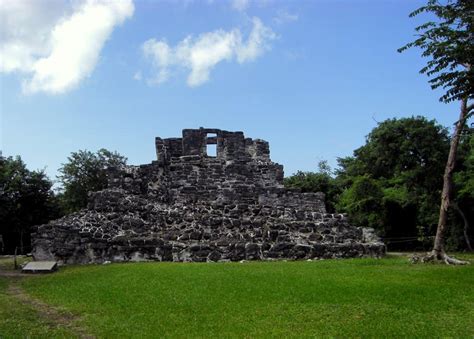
(26, 199)
(320, 181)
(464, 189)
(363, 200)
(409, 147)
(86, 172)
(448, 43)
(465, 176)
(401, 164)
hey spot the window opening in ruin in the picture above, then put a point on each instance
(211, 149)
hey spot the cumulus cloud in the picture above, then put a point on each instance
(200, 55)
(25, 30)
(54, 44)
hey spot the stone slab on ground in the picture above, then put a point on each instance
(40, 267)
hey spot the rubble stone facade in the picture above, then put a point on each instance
(191, 206)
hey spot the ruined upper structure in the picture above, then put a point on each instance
(230, 146)
(196, 203)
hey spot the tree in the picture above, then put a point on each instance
(392, 182)
(363, 201)
(464, 186)
(26, 199)
(83, 173)
(320, 181)
(449, 43)
(410, 147)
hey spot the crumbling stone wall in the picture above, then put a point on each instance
(189, 206)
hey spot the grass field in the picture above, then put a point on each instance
(344, 298)
(7, 263)
(21, 321)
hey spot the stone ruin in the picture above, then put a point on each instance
(189, 205)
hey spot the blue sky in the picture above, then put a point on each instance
(310, 77)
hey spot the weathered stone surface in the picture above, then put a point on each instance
(187, 206)
(40, 267)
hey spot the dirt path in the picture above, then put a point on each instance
(11, 274)
(49, 314)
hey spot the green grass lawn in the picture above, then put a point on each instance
(356, 298)
(21, 321)
(7, 263)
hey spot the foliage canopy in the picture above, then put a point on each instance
(26, 199)
(449, 42)
(86, 172)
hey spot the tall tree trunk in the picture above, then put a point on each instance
(438, 248)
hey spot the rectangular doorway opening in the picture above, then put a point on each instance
(211, 145)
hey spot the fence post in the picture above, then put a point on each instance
(14, 259)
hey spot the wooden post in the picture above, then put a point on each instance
(15, 264)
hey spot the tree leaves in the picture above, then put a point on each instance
(86, 172)
(450, 45)
(26, 199)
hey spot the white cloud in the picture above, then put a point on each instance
(257, 43)
(160, 54)
(283, 17)
(240, 5)
(25, 30)
(202, 54)
(55, 44)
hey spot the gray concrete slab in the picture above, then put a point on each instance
(40, 267)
